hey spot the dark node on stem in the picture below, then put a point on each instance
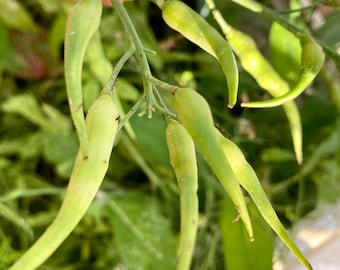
(173, 90)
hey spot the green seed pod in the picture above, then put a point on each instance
(192, 26)
(312, 60)
(183, 160)
(83, 21)
(86, 177)
(194, 113)
(265, 75)
(247, 177)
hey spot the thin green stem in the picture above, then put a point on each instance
(218, 17)
(139, 54)
(161, 84)
(165, 111)
(19, 193)
(162, 106)
(110, 85)
(159, 98)
(281, 186)
(302, 9)
(130, 113)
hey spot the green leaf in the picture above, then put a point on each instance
(61, 151)
(142, 234)
(45, 116)
(150, 137)
(239, 252)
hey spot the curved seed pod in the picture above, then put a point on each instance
(183, 160)
(247, 177)
(192, 26)
(265, 75)
(82, 22)
(194, 113)
(86, 177)
(312, 60)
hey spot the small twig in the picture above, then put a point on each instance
(139, 53)
(162, 106)
(130, 113)
(161, 84)
(110, 85)
(302, 9)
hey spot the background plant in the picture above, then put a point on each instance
(134, 220)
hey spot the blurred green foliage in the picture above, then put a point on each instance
(134, 221)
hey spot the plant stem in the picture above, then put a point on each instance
(161, 84)
(139, 54)
(162, 106)
(110, 85)
(130, 113)
(302, 9)
(165, 111)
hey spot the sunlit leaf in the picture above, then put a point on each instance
(239, 252)
(142, 233)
